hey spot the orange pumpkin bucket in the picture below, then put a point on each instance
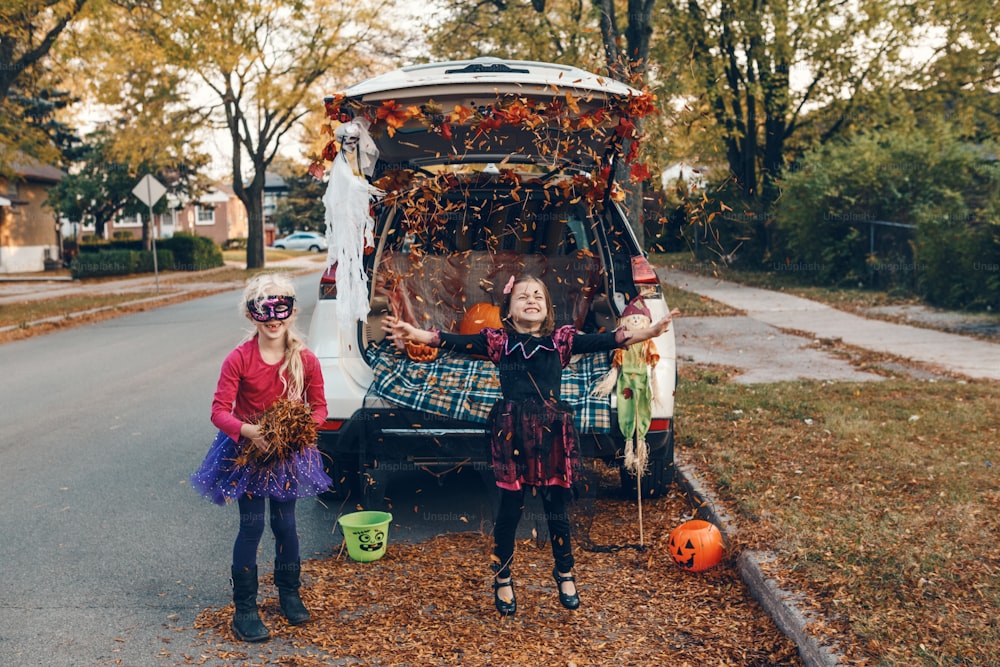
(696, 545)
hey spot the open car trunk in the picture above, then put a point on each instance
(439, 260)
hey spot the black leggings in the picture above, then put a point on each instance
(286, 539)
(509, 515)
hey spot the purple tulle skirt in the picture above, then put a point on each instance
(222, 481)
(533, 443)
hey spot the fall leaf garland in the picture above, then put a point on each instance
(562, 113)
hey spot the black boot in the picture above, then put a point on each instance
(246, 620)
(286, 580)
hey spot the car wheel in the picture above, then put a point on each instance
(314, 248)
(278, 246)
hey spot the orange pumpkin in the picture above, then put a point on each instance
(480, 316)
(696, 545)
(420, 352)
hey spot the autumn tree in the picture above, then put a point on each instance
(28, 31)
(596, 36)
(563, 31)
(98, 189)
(250, 70)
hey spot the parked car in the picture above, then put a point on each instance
(310, 241)
(490, 167)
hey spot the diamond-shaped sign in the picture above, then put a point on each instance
(149, 190)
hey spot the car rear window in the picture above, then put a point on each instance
(526, 222)
(444, 252)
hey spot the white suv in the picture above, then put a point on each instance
(490, 167)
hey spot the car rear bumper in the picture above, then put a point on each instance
(401, 436)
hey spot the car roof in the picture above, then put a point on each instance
(488, 74)
(490, 110)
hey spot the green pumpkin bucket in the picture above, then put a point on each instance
(366, 534)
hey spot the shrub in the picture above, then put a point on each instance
(118, 262)
(193, 253)
(944, 187)
(144, 260)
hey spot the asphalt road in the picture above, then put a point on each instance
(106, 553)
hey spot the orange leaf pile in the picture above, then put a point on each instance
(431, 604)
(288, 427)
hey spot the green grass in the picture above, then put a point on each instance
(31, 311)
(694, 305)
(271, 255)
(782, 281)
(880, 499)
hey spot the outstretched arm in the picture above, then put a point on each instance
(653, 330)
(400, 332)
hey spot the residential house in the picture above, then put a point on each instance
(29, 228)
(275, 189)
(217, 214)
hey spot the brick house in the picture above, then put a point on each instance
(29, 228)
(218, 214)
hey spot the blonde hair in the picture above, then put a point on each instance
(291, 370)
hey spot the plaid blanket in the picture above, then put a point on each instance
(460, 387)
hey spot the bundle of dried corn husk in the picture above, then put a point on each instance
(288, 428)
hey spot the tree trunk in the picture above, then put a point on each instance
(253, 199)
(629, 66)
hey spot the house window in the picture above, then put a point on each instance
(129, 221)
(205, 215)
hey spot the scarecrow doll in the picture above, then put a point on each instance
(634, 384)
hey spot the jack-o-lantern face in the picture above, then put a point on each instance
(696, 545)
(421, 352)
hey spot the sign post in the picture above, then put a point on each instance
(149, 190)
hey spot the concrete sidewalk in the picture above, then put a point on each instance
(19, 289)
(971, 357)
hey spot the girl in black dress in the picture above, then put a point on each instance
(533, 439)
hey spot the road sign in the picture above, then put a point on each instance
(149, 190)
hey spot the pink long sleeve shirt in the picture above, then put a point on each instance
(248, 386)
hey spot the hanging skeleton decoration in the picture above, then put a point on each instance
(349, 223)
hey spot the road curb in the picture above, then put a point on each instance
(777, 602)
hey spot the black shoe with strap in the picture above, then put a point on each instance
(503, 606)
(568, 600)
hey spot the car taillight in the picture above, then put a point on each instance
(332, 425)
(328, 283)
(659, 425)
(645, 277)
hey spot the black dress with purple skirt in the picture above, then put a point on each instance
(532, 437)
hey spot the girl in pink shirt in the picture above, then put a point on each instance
(271, 364)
